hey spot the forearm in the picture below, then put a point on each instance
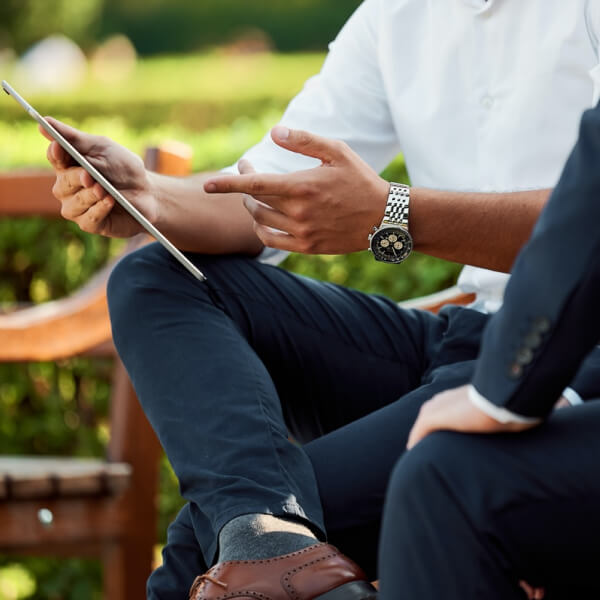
(332, 209)
(480, 229)
(200, 222)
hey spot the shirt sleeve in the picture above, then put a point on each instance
(592, 23)
(502, 415)
(573, 398)
(346, 101)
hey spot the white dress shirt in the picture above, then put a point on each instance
(478, 95)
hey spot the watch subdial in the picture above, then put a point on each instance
(391, 244)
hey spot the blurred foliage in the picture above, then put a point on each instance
(62, 408)
(50, 579)
(158, 26)
(196, 92)
(23, 22)
(184, 25)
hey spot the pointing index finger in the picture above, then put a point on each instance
(254, 184)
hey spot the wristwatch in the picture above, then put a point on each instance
(391, 242)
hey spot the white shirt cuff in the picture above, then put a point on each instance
(573, 398)
(496, 412)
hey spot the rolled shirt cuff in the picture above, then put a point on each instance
(573, 398)
(502, 415)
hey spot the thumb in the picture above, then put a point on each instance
(84, 142)
(307, 143)
(245, 166)
(418, 431)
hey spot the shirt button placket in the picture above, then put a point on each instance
(487, 102)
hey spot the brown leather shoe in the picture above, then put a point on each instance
(318, 572)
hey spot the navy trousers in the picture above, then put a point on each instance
(226, 370)
(467, 516)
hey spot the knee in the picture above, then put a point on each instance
(149, 288)
(133, 274)
(136, 289)
(442, 470)
(421, 471)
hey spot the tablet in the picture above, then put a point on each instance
(107, 185)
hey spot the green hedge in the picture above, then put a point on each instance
(158, 26)
(180, 25)
(196, 92)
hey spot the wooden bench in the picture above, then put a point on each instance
(75, 507)
(435, 302)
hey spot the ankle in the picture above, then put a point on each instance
(259, 536)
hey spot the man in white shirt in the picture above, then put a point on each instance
(483, 98)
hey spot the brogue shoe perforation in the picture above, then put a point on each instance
(287, 578)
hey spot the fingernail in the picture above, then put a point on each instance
(99, 192)
(210, 187)
(281, 133)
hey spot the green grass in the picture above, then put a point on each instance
(215, 77)
(196, 91)
(218, 104)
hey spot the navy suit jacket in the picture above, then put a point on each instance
(550, 320)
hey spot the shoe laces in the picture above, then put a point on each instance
(201, 579)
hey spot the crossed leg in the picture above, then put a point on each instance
(468, 516)
(225, 370)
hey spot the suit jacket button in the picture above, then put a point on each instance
(515, 371)
(532, 340)
(541, 324)
(524, 356)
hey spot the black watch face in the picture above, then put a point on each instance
(391, 244)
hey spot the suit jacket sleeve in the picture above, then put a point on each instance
(533, 347)
(587, 380)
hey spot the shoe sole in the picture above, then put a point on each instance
(355, 590)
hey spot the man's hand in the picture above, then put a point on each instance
(327, 210)
(533, 593)
(452, 410)
(83, 200)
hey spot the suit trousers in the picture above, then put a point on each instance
(468, 516)
(227, 370)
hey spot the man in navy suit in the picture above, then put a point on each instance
(469, 516)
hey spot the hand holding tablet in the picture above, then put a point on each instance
(104, 182)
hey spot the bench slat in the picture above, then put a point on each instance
(27, 193)
(25, 477)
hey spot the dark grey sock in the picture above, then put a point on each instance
(256, 536)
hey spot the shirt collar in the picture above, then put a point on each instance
(479, 5)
